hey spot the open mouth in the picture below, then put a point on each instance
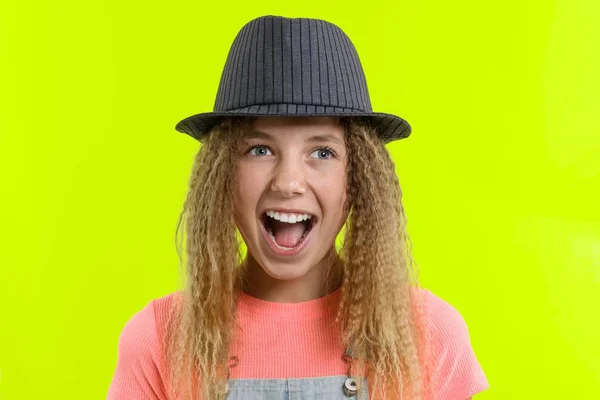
(287, 231)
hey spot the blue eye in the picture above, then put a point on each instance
(260, 151)
(322, 153)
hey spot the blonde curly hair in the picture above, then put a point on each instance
(380, 318)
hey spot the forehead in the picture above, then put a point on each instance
(323, 128)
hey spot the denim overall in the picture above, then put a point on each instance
(326, 388)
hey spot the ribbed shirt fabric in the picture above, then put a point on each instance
(291, 340)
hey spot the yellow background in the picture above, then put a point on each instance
(501, 174)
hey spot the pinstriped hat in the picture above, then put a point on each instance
(281, 66)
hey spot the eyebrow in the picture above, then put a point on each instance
(256, 134)
(326, 138)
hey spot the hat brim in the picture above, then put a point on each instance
(390, 127)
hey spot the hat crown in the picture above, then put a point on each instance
(292, 61)
(293, 67)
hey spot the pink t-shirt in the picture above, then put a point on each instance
(285, 344)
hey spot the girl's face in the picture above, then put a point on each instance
(291, 192)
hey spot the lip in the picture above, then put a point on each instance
(292, 251)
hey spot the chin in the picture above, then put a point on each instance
(285, 271)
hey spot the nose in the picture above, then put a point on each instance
(288, 179)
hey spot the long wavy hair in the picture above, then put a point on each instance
(380, 317)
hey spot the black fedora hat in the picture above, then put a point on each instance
(280, 66)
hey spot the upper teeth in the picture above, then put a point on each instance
(288, 217)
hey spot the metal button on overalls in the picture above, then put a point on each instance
(350, 387)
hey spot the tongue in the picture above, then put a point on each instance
(287, 235)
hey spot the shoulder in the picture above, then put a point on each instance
(452, 367)
(145, 327)
(444, 322)
(141, 325)
(140, 365)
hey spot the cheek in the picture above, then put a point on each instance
(332, 194)
(248, 190)
(243, 194)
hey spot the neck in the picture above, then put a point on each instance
(322, 279)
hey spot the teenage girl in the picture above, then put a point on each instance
(291, 157)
